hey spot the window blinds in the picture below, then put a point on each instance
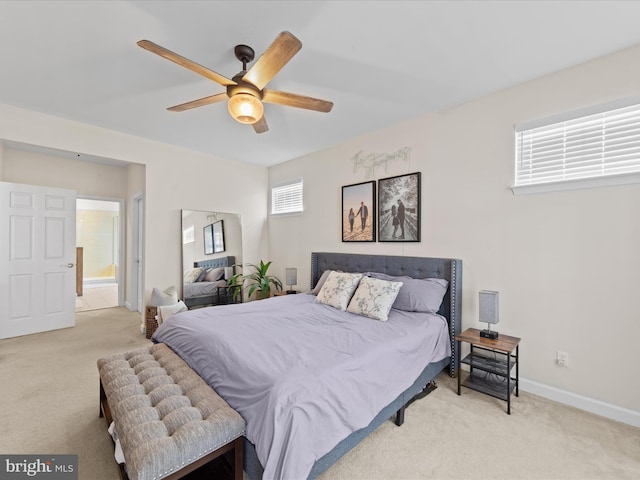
(287, 198)
(596, 145)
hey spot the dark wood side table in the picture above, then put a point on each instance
(490, 365)
(225, 295)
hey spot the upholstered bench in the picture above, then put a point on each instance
(168, 421)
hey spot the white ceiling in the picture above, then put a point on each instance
(380, 62)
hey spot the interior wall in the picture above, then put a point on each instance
(175, 179)
(566, 264)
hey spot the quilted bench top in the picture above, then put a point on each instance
(165, 415)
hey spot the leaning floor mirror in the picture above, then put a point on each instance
(211, 245)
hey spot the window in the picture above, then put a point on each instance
(592, 148)
(287, 197)
(188, 235)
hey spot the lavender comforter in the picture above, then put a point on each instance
(302, 374)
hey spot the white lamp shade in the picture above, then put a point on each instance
(228, 273)
(292, 276)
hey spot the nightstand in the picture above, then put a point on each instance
(150, 321)
(490, 365)
(225, 295)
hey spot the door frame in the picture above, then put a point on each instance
(136, 287)
(121, 240)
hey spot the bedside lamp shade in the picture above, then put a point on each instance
(291, 275)
(489, 312)
(228, 273)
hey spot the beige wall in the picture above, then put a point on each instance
(175, 179)
(567, 265)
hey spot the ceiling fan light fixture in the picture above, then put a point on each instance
(245, 108)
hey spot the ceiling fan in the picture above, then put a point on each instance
(245, 90)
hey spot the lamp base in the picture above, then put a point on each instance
(491, 334)
(289, 292)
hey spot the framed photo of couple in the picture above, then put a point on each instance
(359, 212)
(398, 210)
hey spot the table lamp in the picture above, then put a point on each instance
(291, 275)
(489, 309)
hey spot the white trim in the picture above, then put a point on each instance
(613, 412)
(563, 185)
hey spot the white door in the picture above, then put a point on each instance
(37, 259)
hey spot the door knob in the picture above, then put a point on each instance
(68, 265)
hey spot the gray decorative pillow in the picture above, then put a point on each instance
(161, 299)
(214, 274)
(321, 280)
(338, 289)
(417, 294)
(203, 273)
(373, 298)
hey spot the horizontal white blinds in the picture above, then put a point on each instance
(596, 145)
(287, 198)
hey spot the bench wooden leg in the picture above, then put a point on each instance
(105, 411)
(237, 459)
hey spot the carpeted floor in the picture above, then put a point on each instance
(49, 405)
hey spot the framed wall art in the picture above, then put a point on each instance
(214, 238)
(399, 208)
(218, 236)
(359, 212)
(208, 240)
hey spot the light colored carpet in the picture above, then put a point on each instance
(49, 405)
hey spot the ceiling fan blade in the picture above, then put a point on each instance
(261, 125)
(298, 101)
(283, 48)
(201, 102)
(185, 62)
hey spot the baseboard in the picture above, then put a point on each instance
(607, 410)
(128, 305)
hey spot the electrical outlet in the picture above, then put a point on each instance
(562, 358)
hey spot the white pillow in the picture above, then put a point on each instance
(374, 298)
(192, 274)
(161, 299)
(338, 289)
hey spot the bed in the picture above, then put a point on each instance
(198, 290)
(310, 380)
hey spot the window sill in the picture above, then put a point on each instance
(564, 185)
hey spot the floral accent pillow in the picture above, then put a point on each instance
(374, 298)
(338, 289)
(192, 274)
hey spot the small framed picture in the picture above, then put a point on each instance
(218, 236)
(399, 208)
(208, 240)
(359, 212)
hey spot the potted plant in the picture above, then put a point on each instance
(260, 282)
(234, 284)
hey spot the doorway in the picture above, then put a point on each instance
(98, 240)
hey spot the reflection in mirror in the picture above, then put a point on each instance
(211, 241)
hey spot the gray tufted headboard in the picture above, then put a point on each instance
(215, 262)
(449, 269)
